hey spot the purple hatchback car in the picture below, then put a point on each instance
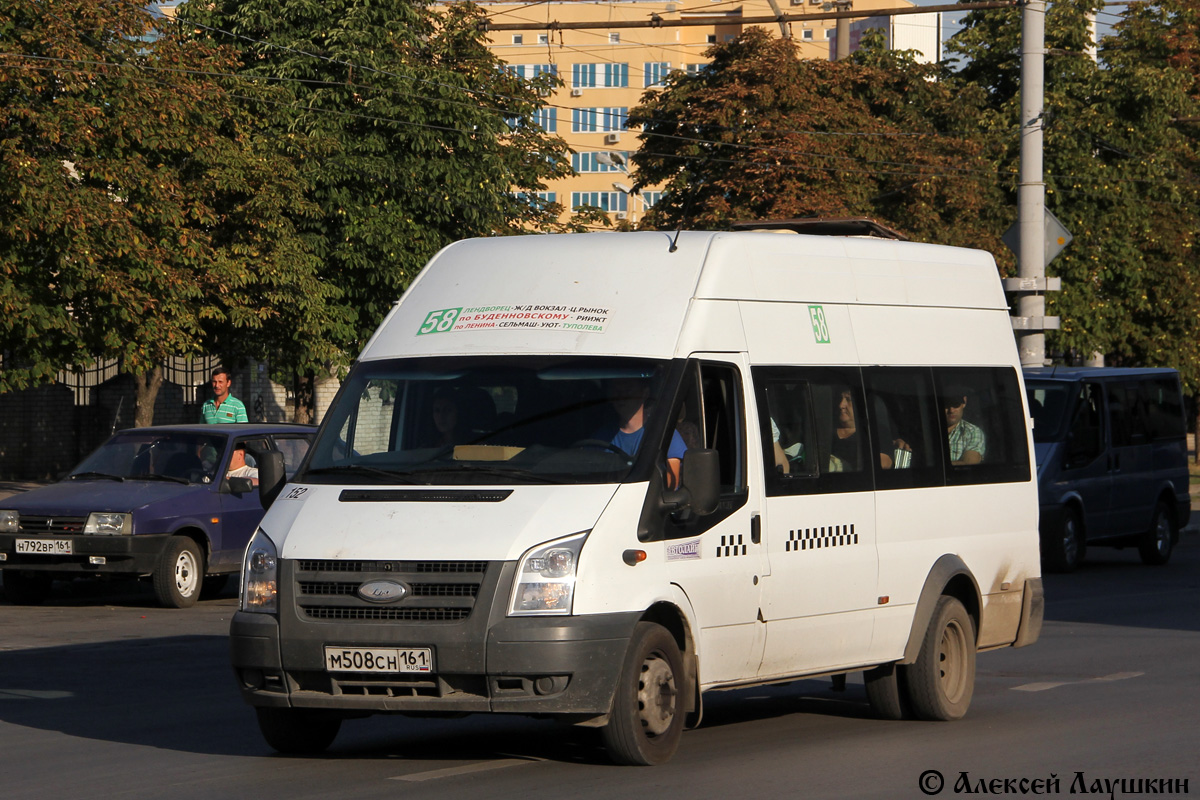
(153, 502)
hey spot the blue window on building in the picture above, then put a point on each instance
(655, 72)
(605, 201)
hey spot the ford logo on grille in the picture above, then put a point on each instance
(382, 591)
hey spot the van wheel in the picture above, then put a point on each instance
(1064, 550)
(26, 588)
(298, 731)
(1155, 544)
(885, 692)
(647, 715)
(179, 574)
(941, 681)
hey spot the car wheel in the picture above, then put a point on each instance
(647, 715)
(180, 574)
(298, 731)
(942, 680)
(1157, 542)
(1065, 548)
(885, 692)
(26, 588)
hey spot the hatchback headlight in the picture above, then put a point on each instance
(545, 580)
(260, 576)
(10, 522)
(107, 523)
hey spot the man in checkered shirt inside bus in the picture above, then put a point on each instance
(967, 441)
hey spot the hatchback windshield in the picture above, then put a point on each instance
(154, 455)
(490, 420)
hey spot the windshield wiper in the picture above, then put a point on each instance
(184, 481)
(104, 475)
(361, 469)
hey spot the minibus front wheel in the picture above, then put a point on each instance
(648, 708)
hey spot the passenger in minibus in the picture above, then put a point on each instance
(844, 452)
(967, 441)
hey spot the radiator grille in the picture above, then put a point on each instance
(327, 590)
(33, 524)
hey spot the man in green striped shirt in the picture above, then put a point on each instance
(224, 407)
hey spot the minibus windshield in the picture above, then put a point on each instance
(494, 419)
(1049, 404)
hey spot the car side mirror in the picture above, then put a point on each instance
(238, 485)
(700, 489)
(271, 476)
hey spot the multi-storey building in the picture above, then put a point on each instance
(606, 69)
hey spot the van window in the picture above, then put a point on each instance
(1164, 409)
(1050, 406)
(983, 425)
(905, 423)
(1085, 437)
(710, 414)
(818, 419)
(1127, 414)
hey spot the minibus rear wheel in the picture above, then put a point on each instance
(1156, 543)
(298, 731)
(941, 681)
(648, 709)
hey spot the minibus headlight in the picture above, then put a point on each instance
(10, 522)
(106, 523)
(260, 576)
(545, 580)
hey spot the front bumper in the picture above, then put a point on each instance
(123, 555)
(487, 662)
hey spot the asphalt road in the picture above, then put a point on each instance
(104, 695)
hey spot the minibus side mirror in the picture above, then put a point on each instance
(271, 477)
(700, 491)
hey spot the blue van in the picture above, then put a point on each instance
(1112, 453)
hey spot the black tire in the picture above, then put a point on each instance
(179, 575)
(886, 692)
(648, 714)
(298, 731)
(1066, 546)
(26, 588)
(1156, 544)
(941, 681)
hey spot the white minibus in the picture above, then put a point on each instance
(596, 476)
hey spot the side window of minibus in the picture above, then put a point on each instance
(904, 426)
(983, 425)
(813, 428)
(1164, 409)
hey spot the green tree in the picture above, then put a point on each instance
(1119, 172)
(136, 214)
(763, 134)
(410, 133)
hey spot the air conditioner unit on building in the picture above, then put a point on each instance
(621, 215)
(577, 93)
(612, 138)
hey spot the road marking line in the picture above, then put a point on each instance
(466, 769)
(1044, 685)
(33, 694)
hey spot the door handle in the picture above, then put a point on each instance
(756, 529)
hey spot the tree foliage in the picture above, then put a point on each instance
(762, 134)
(134, 204)
(1119, 172)
(409, 133)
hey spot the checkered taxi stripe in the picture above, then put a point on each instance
(818, 538)
(731, 545)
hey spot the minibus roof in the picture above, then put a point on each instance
(630, 293)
